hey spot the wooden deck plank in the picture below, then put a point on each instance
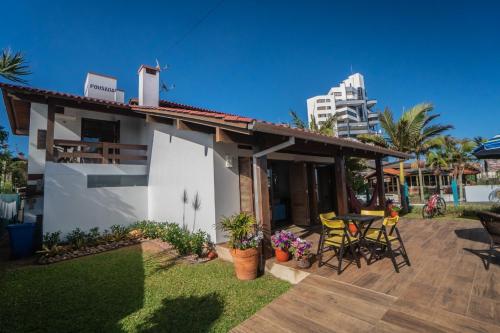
(446, 289)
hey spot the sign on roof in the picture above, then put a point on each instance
(102, 87)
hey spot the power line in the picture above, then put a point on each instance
(195, 25)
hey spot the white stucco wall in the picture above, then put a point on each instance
(227, 184)
(479, 193)
(181, 161)
(69, 204)
(38, 120)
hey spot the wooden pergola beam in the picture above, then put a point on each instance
(379, 173)
(341, 185)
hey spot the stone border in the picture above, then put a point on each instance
(44, 260)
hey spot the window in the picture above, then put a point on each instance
(320, 101)
(324, 107)
(40, 139)
(95, 130)
(323, 115)
(337, 94)
(96, 181)
(391, 186)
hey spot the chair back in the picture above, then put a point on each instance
(491, 223)
(328, 220)
(380, 213)
(391, 221)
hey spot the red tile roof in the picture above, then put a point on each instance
(194, 110)
(258, 125)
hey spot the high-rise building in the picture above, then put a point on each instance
(351, 105)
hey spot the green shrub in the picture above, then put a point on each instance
(93, 237)
(180, 238)
(149, 229)
(51, 239)
(119, 232)
(198, 240)
(77, 239)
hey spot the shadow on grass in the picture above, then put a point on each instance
(185, 314)
(90, 294)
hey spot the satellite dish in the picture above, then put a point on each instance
(166, 88)
(159, 68)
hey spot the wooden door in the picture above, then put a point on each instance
(299, 195)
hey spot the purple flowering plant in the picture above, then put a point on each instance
(282, 239)
(300, 248)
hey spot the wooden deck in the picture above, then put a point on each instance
(447, 289)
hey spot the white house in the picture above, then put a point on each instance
(94, 160)
(350, 103)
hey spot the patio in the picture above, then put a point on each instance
(446, 289)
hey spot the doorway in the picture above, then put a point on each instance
(279, 193)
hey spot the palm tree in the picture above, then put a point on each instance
(437, 161)
(424, 141)
(13, 66)
(460, 152)
(325, 127)
(402, 134)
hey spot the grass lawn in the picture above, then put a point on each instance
(130, 290)
(465, 210)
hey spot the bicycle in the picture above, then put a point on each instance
(435, 205)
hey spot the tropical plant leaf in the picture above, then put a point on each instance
(13, 66)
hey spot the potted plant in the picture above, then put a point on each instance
(301, 251)
(244, 239)
(281, 242)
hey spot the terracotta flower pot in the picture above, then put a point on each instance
(304, 262)
(246, 263)
(352, 228)
(282, 255)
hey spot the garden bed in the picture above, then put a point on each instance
(72, 254)
(192, 247)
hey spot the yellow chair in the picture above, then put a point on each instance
(335, 236)
(385, 237)
(380, 213)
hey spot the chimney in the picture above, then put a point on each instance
(149, 86)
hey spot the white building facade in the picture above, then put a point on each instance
(350, 104)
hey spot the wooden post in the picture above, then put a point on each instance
(313, 193)
(105, 153)
(379, 171)
(340, 185)
(49, 138)
(264, 217)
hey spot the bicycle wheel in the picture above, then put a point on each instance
(426, 212)
(441, 206)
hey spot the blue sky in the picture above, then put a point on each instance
(261, 58)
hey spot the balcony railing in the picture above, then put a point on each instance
(70, 151)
